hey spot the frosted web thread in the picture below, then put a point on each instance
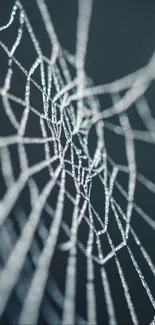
(30, 237)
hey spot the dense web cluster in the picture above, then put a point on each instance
(70, 247)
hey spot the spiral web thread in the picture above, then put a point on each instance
(70, 109)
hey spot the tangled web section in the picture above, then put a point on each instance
(70, 217)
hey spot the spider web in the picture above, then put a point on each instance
(66, 256)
